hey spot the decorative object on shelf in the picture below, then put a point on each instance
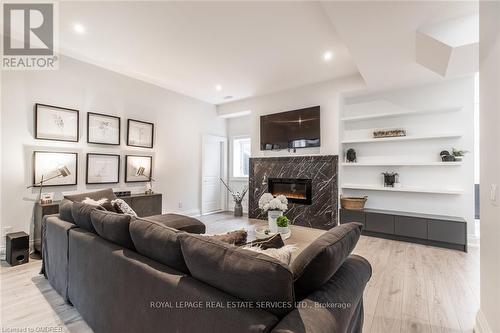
(46, 198)
(123, 193)
(389, 133)
(132, 165)
(53, 169)
(351, 155)
(149, 185)
(140, 133)
(458, 154)
(274, 206)
(103, 129)
(102, 169)
(353, 203)
(237, 198)
(56, 123)
(390, 178)
(446, 156)
(283, 225)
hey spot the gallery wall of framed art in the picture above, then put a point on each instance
(57, 123)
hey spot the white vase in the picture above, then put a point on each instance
(285, 232)
(272, 216)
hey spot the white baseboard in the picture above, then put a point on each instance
(192, 212)
(482, 325)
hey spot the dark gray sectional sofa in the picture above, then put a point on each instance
(141, 275)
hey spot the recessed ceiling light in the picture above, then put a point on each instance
(79, 28)
(218, 87)
(327, 56)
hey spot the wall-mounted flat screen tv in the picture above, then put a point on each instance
(291, 129)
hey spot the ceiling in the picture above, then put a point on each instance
(248, 48)
(254, 48)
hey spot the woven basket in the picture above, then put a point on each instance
(355, 203)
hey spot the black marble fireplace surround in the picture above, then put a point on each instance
(321, 213)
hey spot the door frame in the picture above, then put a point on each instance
(223, 172)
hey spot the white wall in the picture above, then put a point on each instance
(179, 121)
(489, 314)
(446, 94)
(237, 127)
(325, 94)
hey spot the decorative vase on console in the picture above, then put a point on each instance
(274, 206)
(237, 198)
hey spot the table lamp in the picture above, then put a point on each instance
(140, 172)
(61, 172)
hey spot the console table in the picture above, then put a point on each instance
(437, 230)
(142, 204)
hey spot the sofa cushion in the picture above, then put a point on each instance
(112, 227)
(179, 222)
(235, 237)
(65, 207)
(96, 195)
(245, 274)
(81, 215)
(158, 242)
(318, 262)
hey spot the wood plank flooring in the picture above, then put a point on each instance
(414, 288)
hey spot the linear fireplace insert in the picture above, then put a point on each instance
(295, 190)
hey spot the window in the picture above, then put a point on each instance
(241, 156)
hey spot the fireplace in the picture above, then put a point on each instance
(295, 190)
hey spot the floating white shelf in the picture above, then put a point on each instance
(400, 189)
(402, 114)
(404, 138)
(361, 164)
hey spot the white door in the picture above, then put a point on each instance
(213, 168)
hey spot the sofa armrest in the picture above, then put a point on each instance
(55, 238)
(335, 307)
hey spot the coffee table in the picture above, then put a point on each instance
(300, 237)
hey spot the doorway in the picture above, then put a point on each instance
(214, 161)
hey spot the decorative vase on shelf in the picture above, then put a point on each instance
(272, 216)
(238, 209)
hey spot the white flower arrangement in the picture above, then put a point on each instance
(268, 202)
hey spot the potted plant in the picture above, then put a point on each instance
(283, 225)
(274, 206)
(237, 198)
(458, 154)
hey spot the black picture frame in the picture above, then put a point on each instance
(89, 114)
(127, 167)
(33, 164)
(87, 169)
(142, 122)
(37, 122)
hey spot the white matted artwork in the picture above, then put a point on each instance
(56, 123)
(103, 129)
(140, 133)
(48, 164)
(133, 164)
(103, 169)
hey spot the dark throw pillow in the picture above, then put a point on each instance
(65, 207)
(158, 242)
(113, 227)
(236, 237)
(318, 262)
(81, 215)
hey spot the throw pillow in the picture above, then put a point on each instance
(113, 227)
(236, 237)
(124, 208)
(81, 215)
(65, 207)
(103, 202)
(273, 242)
(314, 266)
(283, 254)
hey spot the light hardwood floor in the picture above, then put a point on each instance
(414, 288)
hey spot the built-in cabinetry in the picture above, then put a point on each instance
(437, 230)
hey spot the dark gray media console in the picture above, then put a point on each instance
(436, 230)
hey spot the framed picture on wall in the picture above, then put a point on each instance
(49, 164)
(103, 129)
(56, 123)
(140, 133)
(138, 168)
(103, 169)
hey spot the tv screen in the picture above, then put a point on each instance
(291, 129)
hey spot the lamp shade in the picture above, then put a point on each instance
(64, 171)
(140, 171)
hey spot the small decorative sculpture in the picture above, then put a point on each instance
(390, 178)
(351, 155)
